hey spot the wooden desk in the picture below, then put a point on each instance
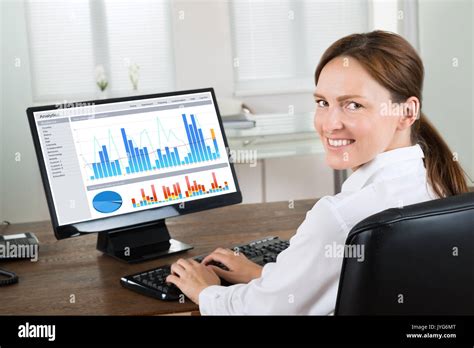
(74, 268)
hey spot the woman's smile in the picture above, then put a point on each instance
(339, 143)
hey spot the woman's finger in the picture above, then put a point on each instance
(183, 263)
(219, 271)
(193, 262)
(173, 280)
(177, 269)
(218, 257)
(223, 251)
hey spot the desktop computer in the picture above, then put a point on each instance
(120, 167)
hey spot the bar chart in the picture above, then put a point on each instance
(173, 191)
(196, 148)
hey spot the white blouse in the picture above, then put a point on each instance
(304, 279)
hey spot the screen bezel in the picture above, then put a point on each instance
(143, 217)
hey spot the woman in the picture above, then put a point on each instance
(368, 115)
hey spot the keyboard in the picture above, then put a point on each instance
(153, 282)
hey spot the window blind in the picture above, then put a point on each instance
(69, 39)
(277, 43)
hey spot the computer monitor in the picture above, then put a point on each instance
(119, 167)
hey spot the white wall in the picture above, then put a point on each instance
(446, 34)
(22, 194)
(202, 43)
(1, 110)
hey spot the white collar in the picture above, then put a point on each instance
(359, 178)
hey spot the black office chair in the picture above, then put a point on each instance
(419, 260)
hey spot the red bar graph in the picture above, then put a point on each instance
(173, 191)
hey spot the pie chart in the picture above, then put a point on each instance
(107, 202)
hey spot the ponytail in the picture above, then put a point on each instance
(444, 172)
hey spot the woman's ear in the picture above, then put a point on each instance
(411, 112)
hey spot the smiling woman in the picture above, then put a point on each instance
(368, 96)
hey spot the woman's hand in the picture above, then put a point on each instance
(191, 277)
(241, 269)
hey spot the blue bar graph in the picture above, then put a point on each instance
(139, 159)
(199, 151)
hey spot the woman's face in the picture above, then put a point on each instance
(350, 115)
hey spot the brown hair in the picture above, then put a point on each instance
(395, 64)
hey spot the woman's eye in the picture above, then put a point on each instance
(321, 103)
(354, 106)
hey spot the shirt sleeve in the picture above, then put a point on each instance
(303, 280)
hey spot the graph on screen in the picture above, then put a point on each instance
(173, 192)
(154, 144)
(130, 155)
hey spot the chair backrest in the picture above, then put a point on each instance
(418, 260)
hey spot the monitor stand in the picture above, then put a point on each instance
(140, 243)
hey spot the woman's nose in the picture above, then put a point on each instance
(332, 121)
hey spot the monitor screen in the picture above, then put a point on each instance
(109, 158)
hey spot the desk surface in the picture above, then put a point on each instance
(74, 269)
